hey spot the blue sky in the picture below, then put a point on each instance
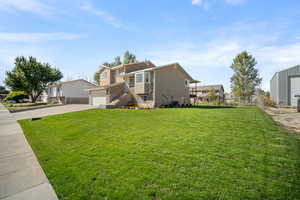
(202, 35)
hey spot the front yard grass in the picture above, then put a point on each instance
(188, 153)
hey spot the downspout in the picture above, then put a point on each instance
(154, 89)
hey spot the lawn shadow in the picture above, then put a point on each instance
(198, 106)
(212, 106)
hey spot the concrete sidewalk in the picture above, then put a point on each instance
(21, 176)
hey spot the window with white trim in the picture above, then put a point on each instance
(120, 72)
(103, 76)
(139, 78)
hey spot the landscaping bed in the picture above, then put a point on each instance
(18, 107)
(179, 153)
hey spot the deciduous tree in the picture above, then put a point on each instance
(31, 76)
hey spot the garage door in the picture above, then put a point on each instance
(98, 97)
(295, 90)
(97, 101)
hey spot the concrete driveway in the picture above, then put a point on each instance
(287, 117)
(51, 111)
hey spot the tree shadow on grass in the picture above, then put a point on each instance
(200, 106)
(212, 106)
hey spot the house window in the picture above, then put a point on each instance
(139, 78)
(147, 77)
(103, 76)
(120, 72)
(187, 83)
(144, 97)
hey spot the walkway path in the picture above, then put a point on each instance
(21, 176)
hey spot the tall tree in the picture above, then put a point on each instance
(117, 61)
(246, 78)
(129, 58)
(31, 76)
(97, 77)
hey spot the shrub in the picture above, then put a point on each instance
(268, 101)
(16, 96)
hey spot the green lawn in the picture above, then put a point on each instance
(189, 153)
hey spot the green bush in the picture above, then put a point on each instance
(269, 102)
(16, 96)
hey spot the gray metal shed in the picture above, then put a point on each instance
(285, 85)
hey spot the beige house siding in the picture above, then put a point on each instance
(139, 88)
(108, 80)
(116, 91)
(170, 86)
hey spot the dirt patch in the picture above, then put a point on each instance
(287, 117)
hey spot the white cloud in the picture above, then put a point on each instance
(197, 2)
(202, 58)
(32, 37)
(206, 3)
(104, 15)
(203, 3)
(32, 6)
(234, 2)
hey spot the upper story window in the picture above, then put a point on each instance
(147, 77)
(120, 72)
(139, 78)
(103, 76)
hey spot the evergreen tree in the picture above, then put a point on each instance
(129, 58)
(246, 78)
(117, 61)
(97, 77)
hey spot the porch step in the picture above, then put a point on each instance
(123, 100)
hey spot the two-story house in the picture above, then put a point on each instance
(201, 94)
(142, 84)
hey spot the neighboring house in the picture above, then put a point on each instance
(201, 94)
(228, 98)
(285, 85)
(141, 84)
(69, 92)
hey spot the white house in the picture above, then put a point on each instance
(69, 92)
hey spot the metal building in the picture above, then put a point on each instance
(285, 85)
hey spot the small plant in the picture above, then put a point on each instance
(16, 96)
(268, 101)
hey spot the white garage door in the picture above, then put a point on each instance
(97, 101)
(98, 98)
(295, 90)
